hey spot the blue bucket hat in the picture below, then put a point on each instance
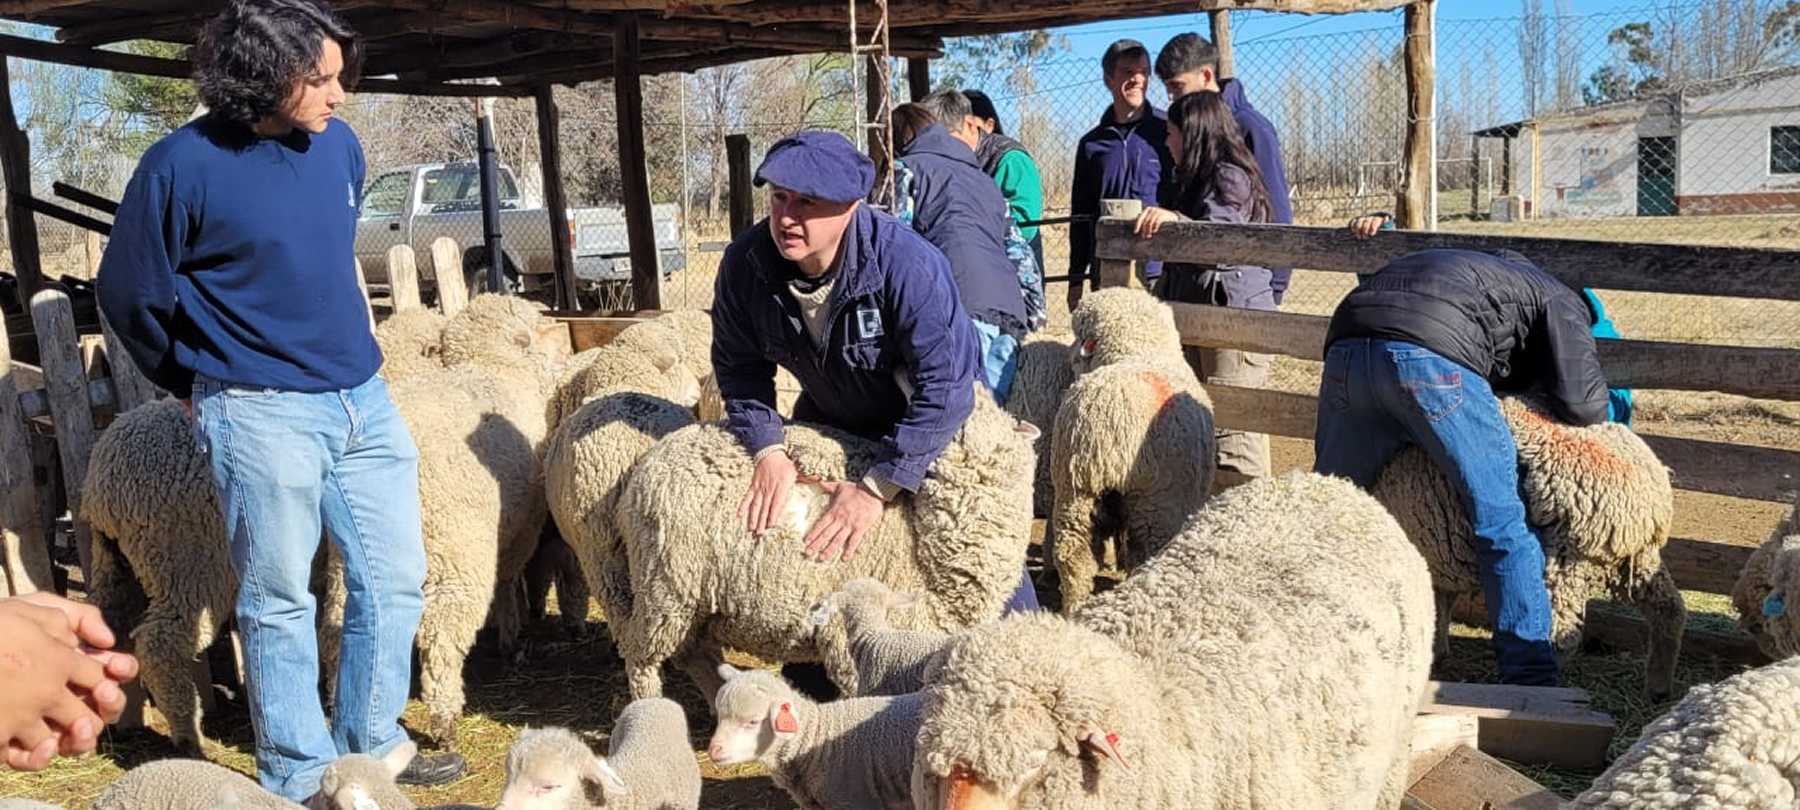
(820, 164)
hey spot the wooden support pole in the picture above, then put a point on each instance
(27, 547)
(1418, 209)
(66, 383)
(403, 278)
(1475, 176)
(918, 77)
(646, 292)
(556, 199)
(875, 105)
(743, 200)
(446, 269)
(15, 168)
(1221, 37)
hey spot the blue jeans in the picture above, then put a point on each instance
(1379, 396)
(999, 359)
(288, 466)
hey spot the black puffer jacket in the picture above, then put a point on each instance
(1495, 313)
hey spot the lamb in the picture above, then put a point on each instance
(700, 580)
(863, 653)
(1174, 695)
(847, 753)
(187, 784)
(1044, 373)
(1770, 578)
(648, 765)
(1138, 435)
(1729, 744)
(1603, 505)
(411, 342)
(584, 473)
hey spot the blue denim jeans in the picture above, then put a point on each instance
(289, 466)
(999, 359)
(1379, 396)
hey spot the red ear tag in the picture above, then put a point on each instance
(785, 722)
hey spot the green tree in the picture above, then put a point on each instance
(152, 106)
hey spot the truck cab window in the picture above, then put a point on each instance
(386, 197)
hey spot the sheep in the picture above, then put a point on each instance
(1135, 437)
(494, 330)
(187, 784)
(554, 564)
(700, 580)
(711, 407)
(863, 653)
(1118, 323)
(847, 753)
(1273, 655)
(1603, 506)
(656, 370)
(1735, 744)
(411, 342)
(1043, 374)
(482, 511)
(584, 473)
(695, 330)
(648, 765)
(161, 566)
(1770, 578)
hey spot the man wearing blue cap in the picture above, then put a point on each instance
(864, 313)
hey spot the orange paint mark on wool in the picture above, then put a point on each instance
(1564, 441)
(1160, 391)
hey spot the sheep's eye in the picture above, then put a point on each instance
(750, 724)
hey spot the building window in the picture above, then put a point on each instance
(1784, 150)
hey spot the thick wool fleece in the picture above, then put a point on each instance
(855, 752)
(187, 784)
(1602, 504)
(1175, 663)
(1767, 593)
(1043, 374)
(1117, 323)
(656, 370)
(1140, 429)
(411, 342)
(1733, 744)
(861, 649)
(959, 542)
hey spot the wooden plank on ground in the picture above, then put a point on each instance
(27, 548)
(1435, 736)
(588, 332)
(403, 278)
(1533, 725)
(1471, 780)
(1647, 267)
(446, 273)
(67, 387)
(1750, 371)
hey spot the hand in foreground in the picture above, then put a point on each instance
(769, 486)
(853, 511)
(57, 695)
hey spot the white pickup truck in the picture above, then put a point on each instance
(416, 205)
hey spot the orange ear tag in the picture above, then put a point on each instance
(785, 722)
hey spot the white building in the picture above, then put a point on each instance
(1726, 146)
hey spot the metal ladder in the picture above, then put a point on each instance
(882, 126)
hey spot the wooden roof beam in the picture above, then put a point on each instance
(663, 64)
(172, 26)
(564, 61)
(930, 12)
(442, 54)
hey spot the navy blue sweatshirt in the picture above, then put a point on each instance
(233, 257)
(1120, 162)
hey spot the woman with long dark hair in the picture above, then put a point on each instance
(1217, 180)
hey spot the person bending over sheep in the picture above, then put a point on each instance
(865, 314)
(231, 281)
(1414, 355)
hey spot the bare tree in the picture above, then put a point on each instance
(1532, 39)
(1568, 57)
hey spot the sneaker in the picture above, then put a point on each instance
(426, 770)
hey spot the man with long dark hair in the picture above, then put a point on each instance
(231, 280)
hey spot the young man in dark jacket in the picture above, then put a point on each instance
(1124, 158)
(1415, 355)
(958, 208)
(231, 281)
(864, 313)
(1008, 162)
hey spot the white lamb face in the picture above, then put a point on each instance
(752, 718)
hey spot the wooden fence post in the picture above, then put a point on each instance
(1119, 272)
(27, 548)
(1221, 35)
(743, 204)
(1419, 198)
(446, 267)
(65, 384)
(403, 278)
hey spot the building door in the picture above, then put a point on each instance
(1656, 177)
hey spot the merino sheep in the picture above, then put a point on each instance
(700, 580)
(847, 753)
(1167, 679)
(1138, 435)
(648, 765)
(584, 474)
(1043, 374)
(1118, 323)
(696, 333)
(1733, 744)
(1603, 506)
(862, 652)
(1767, 592)
(656, 370)
(411, 342)
(187, 784)
(494, 330)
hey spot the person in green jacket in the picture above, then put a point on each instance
(1003, 158)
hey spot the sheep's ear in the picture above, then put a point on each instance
(727, 671)
(906, 600)
(396, 760)
(782, 717)
(1028, 430)
(1106, 744)
(601, 773)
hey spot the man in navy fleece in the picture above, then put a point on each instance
(1124, 157)
(231, 281)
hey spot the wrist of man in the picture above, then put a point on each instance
(768, 451)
